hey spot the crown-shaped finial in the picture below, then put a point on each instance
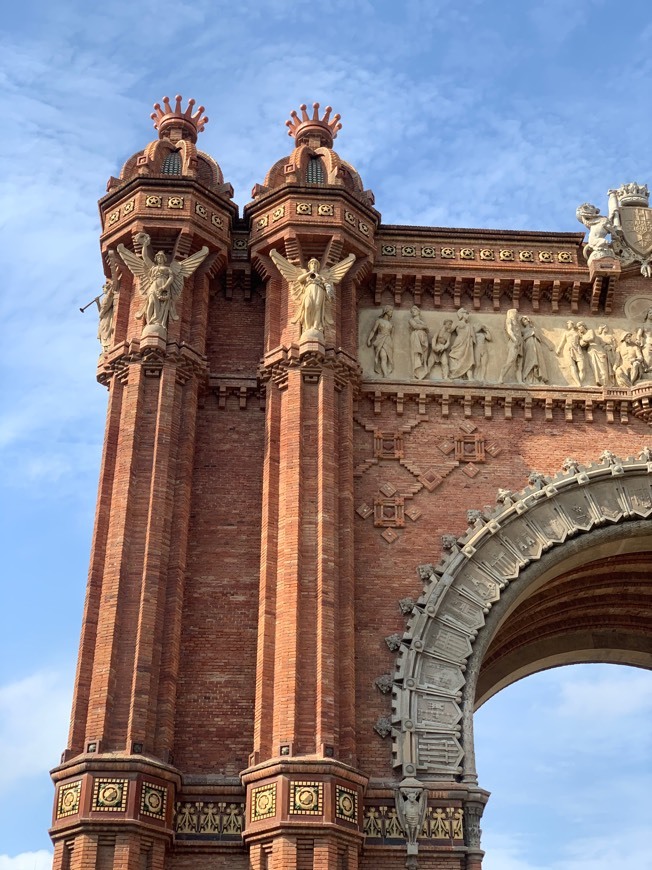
(325, 128)
(165, 117)
(633, 194)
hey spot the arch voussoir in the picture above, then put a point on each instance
(432, 702)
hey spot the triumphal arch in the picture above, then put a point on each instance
(356, 479)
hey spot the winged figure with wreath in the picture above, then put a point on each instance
(313, 289)
(160, 282)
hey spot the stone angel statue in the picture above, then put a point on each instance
(106, 304)
(313, 289)
(160, 283)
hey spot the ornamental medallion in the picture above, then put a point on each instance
(636, 224)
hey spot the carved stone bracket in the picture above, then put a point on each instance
(152, 353)
(311, 358)
(586, 404)
(244, 390)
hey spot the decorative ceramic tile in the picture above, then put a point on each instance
(306, 798)
(68, 799)
(153, 800)
(346, 804)
(263, 802)
(110, 795)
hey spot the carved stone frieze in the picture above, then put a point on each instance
(382, 824)
(209, 819)
(514, 349)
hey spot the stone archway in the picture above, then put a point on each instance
(550, 529)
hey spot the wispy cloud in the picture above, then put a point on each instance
(41, 860)
(34, 713)
(555, 750)
(620, 847)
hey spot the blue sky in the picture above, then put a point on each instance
(487, 114)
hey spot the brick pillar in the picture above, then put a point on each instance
(118, 767)
(304, 750)
(327, 854)
(305, 632)
(284, 853)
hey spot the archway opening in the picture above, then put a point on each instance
(589, 610)
(567, 755)
(567, 752)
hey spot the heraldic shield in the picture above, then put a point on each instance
(636, 225)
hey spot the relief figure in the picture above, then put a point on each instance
(630, 365)
(461, 356)
(419, 343)
(598, 354)
(482, 336)
(381, 338)
(572, 353)
(610, 346)
(514, 362)
(535, 370)
(439, 349)
(644, 337)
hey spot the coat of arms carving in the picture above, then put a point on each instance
(628, 224)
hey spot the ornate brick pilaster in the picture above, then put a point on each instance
(117, 773)
(300, 805)
(304, 737)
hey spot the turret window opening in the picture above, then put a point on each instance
(172, 164)
(315, 174)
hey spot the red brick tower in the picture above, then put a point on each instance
(312, 205)
(277, 670)
(117, 783)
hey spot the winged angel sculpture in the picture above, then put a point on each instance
(160, 283)
(313, 289)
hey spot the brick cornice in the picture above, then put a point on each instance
(311, 358)
(169, 181)
(152, 353)
(311, 192)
